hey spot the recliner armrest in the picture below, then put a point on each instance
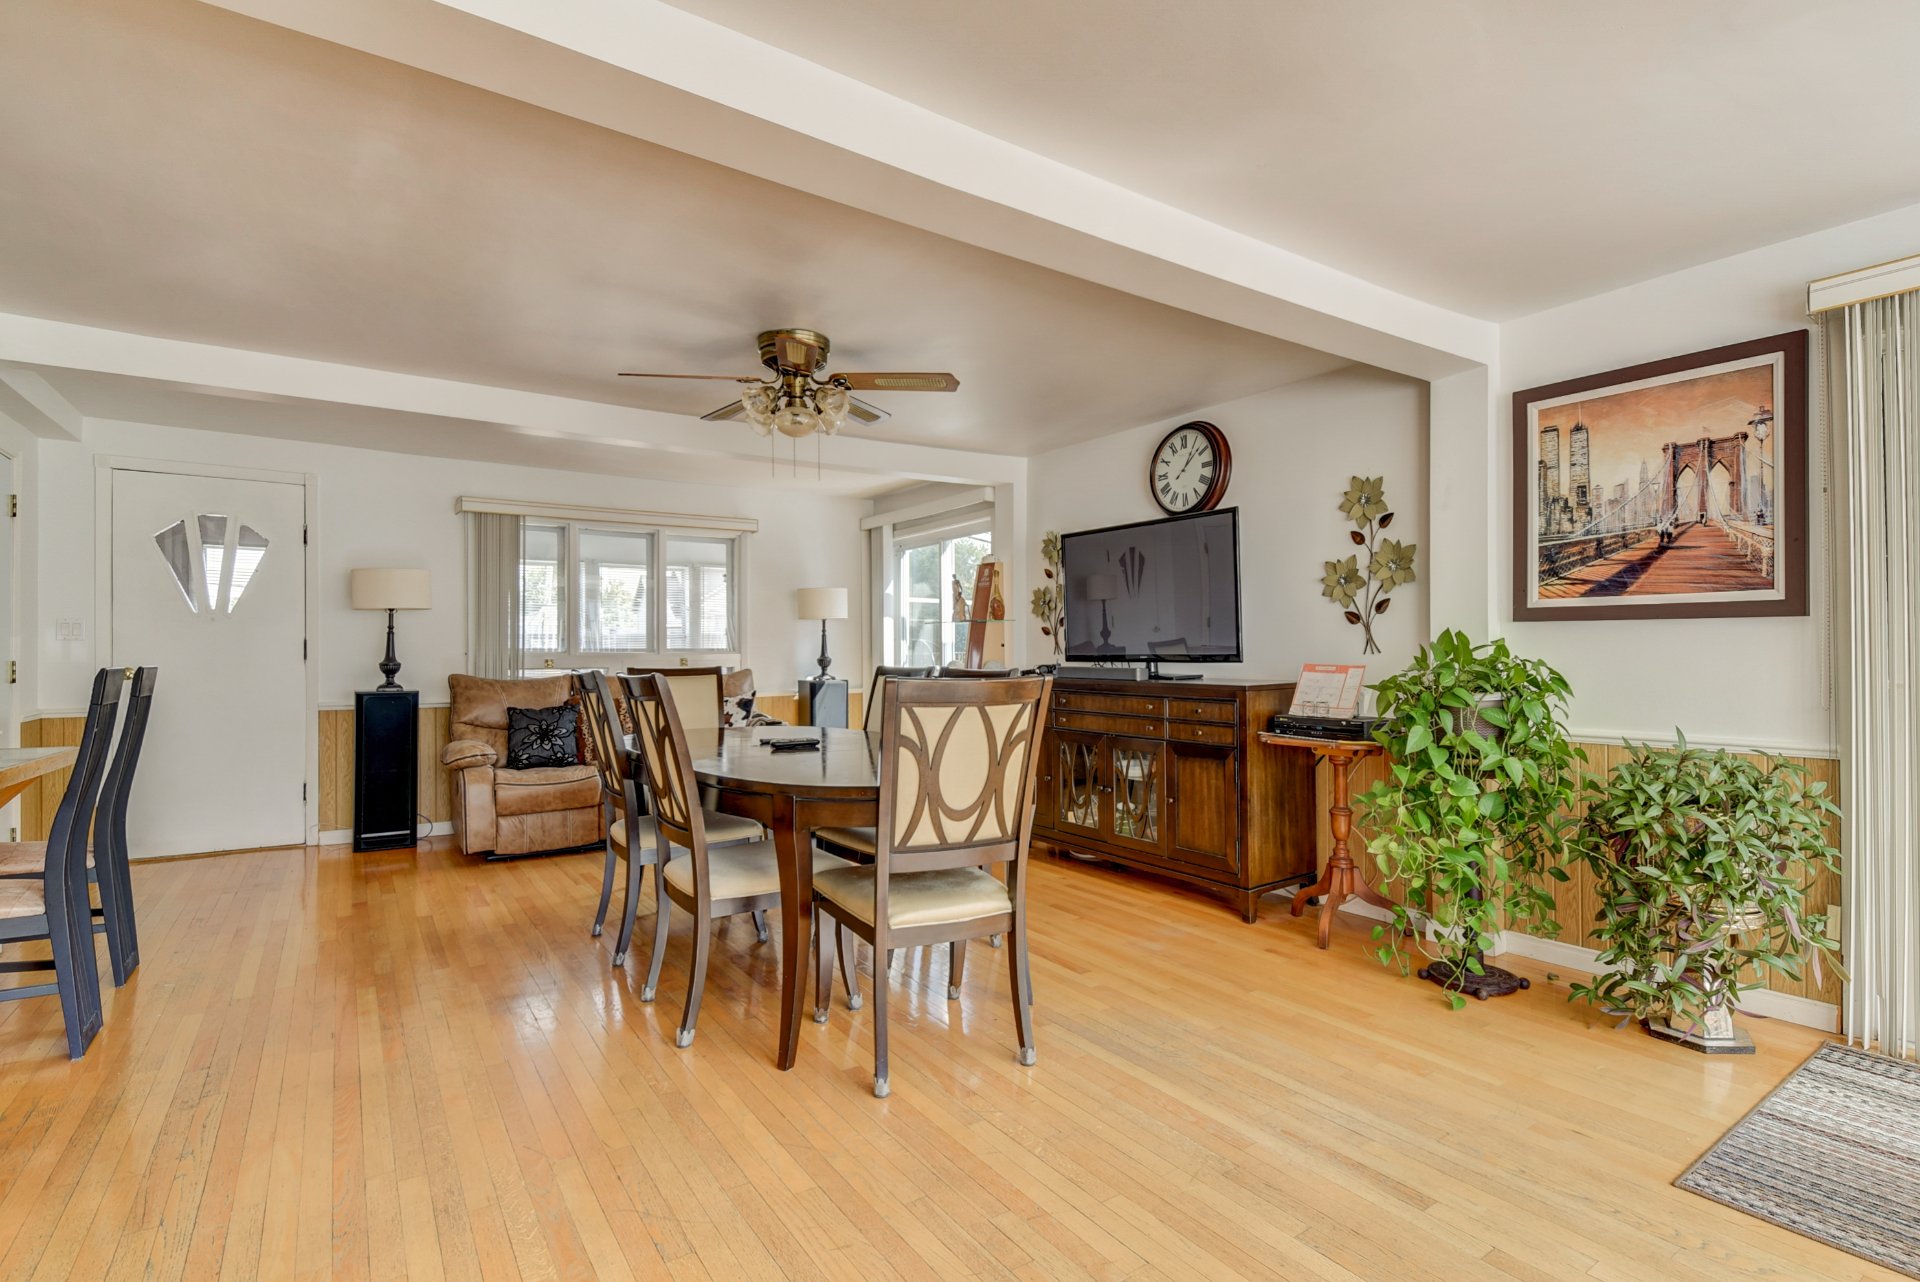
(462, 753)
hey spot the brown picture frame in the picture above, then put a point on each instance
(1790, 488)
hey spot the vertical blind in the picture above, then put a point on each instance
(1877, 444)
(493, 596)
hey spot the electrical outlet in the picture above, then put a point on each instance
(684, 662)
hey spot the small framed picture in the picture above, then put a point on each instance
(1671, 490)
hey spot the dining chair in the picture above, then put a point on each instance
(955, 670)
(107, 865)
(699, 694)
(856, 843)
(709, 881)
(957, 763)
(56, 906)
(631, 837)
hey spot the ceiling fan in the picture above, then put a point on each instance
(800, 399)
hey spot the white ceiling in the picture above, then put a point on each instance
(1490, 156)
(172, 169)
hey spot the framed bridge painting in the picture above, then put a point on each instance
(1671, 490)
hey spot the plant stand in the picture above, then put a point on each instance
(1492, 981)
(1715, 1034)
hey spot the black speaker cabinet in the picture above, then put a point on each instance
(386, 768)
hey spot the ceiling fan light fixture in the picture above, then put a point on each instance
(759, 403)
(796, 420)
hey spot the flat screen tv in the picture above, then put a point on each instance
(1155, 592)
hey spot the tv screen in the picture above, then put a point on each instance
(1159, 590)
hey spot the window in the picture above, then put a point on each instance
(926, 632)
(543, 587)
(699, 593)
(613, 590)
(588, 592)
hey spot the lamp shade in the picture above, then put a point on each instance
(820, 603)
(1102, 587)
(391, 589)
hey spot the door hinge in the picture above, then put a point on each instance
(13, 505)
(303, 536)
(303, 792)
(13, 671)
(303, 647)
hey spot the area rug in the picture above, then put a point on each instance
(1833, 1153)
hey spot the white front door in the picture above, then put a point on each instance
(209, 583)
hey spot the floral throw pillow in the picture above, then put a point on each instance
(539, 737)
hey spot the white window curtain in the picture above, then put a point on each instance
(1876, 444)
(493, 595)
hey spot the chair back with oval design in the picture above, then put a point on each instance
(957, 765)
(669, 765)
(609, 749)
(698, 697)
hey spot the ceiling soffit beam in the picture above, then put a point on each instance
(265, 375)
(32, 402)
(646, 69)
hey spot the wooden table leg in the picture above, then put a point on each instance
(1341, 880)
(792, 845)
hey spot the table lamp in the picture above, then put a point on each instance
(390, 590)
(821, 604)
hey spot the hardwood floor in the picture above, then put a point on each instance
(410, 1065)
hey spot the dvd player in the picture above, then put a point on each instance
(1342, 729)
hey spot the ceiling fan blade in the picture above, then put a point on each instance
(716, 378)
(861, 412)
(899, 382)
(726, 413)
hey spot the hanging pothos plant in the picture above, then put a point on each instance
(1050, 598)
(1472, 818)
(1362, 593)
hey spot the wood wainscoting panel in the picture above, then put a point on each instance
(336, 768)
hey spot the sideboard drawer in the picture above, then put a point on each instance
(1196, 732)
(1139, 705)
(1107, 723)
(1201, 710)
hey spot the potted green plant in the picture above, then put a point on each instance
(1702, 861)
(1472, 819)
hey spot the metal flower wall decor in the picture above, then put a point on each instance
(1050, 600)
(1362, 593)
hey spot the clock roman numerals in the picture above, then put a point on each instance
(1189, 470)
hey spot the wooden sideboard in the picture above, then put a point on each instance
(1169, 777)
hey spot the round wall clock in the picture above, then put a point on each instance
(1189, 470)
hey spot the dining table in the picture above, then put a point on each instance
(791, 793)
(20, 768)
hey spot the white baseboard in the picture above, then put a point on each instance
(344, 836)
(1824, 1016)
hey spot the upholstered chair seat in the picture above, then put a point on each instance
(855, 840)
(742, 872)
(937, 898)
(720, 828)
(500, 812)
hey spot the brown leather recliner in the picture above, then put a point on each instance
(499, 812)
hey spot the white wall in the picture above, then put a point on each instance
(1742, 682)
(378, 508)
(1294, 450)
